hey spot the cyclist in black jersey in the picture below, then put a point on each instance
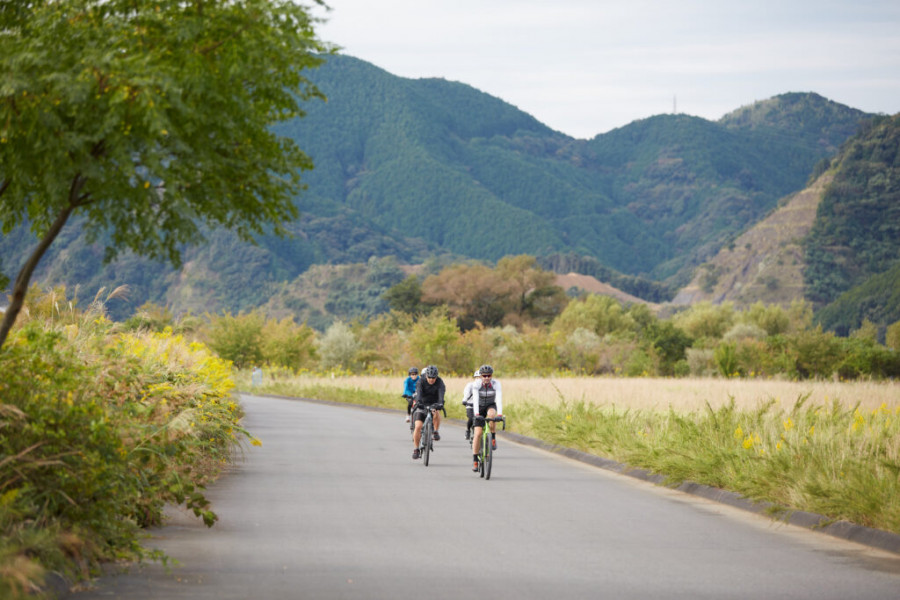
(429, 395)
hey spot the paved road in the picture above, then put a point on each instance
(332, 507)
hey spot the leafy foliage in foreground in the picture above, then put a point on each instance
(98, 430)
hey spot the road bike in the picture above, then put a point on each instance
(426, 442)
(486, 456)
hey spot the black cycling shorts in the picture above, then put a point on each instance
(420, 412)
(482, 413)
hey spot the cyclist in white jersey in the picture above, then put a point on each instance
(487, 402)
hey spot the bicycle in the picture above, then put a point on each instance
(426, 442)
(486, 456)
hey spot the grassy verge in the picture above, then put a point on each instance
(837, 460)
(98, 431)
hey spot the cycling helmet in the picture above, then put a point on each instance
(477, 373)
(413, 371)
(486, 370)
(430, 372)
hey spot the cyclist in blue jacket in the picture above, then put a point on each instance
(409, 389)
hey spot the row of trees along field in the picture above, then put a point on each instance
(514, 316)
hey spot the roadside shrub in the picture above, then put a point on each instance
(98, 431)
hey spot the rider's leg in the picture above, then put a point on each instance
(476, 444)
(491, 413)
(417, 433)
(476, 439)
(437, 420)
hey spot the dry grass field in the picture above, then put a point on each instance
(650, 393)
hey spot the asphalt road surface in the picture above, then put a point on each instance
(333, 507)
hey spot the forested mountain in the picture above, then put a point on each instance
(446, 163)
(853, 249)
(836, 243)
(420, 168)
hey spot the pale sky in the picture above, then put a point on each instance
(584, 67)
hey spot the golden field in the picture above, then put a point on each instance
(685, 394)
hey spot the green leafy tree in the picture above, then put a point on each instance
(892, 336)
(601, 314)
(288, 344)
(705, 320)
(472, 293)
(670, 343)
(237, 338)
(338, 347)
(148, 120)
(534, 294)
(817, 353)
(436, 339)
(406, 296)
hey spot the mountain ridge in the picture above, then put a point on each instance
(421, 168)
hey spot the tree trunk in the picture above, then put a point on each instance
(24, 278)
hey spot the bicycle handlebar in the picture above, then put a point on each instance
(495, 420)
(439, 407)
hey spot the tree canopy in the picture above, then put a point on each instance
(150, 120)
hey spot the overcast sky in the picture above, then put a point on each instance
(584, 67)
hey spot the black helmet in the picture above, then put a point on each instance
(430, 372)
(486, 370)
(413, 371)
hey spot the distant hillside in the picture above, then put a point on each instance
(853, 250)
(857, 232)
(421, 168)
(592, 285)
(421, 158)
(836, 243)
(765, 263)
(876, 300)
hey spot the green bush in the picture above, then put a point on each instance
(98, 431)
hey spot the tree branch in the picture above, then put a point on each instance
(17, 298)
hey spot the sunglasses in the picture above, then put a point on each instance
(487, 376)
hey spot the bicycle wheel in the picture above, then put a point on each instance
(481, 456)
(426, 438)
(488, 459)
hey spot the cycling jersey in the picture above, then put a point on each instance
(430, 393)
(409, 386)
(485, 394)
